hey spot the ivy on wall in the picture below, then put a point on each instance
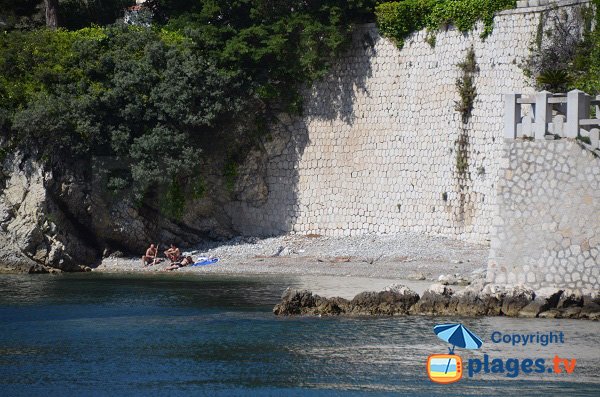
(396, 20)
(466, 85)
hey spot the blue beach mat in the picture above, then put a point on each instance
(206, 262)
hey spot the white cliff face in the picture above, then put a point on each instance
(34, 230)
(25, 236)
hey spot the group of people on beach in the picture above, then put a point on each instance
(173, 254)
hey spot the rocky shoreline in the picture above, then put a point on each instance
(478, 299)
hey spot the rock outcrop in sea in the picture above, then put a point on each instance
(476, 300)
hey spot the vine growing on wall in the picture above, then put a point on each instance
(467, 91)
(466, 85)
(398, 19)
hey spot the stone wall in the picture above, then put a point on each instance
(378, 146)
(547, 228)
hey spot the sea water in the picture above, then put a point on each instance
(178, 334)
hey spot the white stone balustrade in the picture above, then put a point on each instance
(546, 3)
(546, 115)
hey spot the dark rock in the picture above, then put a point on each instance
(587, 299)
(329, 307)
(570, 312)
(108, 253)
(38, 269)
(570, 298)
(295, 302)
(396, 300)
(384, 303)
(478, 299)
(545, 299)
(471, 303)
(590, 310)
(435, 300)
(552, 313)
(515, 299)
(475, 300)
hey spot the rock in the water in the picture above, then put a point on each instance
(38, 269)
(397, 299)
(447, 279)
(570, 298)
(552, 313)
(435, 300)
(515, 299)
(590, 310)
(303, 302)
(294, 302)
(478, 299)
(544, 299)
(571, 312)
(472, 301)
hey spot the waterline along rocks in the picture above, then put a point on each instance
(475, 300)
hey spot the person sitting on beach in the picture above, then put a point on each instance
(150, 257)
(185, 262)
(173, 253)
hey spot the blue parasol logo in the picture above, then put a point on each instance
(457, 335)
(448, 368)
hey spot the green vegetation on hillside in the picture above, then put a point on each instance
(399, 19)
(152, 98)
(566, 52)
(584, 71)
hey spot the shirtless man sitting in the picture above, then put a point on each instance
(173, 253)
(150, 257)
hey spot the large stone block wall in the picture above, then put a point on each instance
(376, 150)
(547, 228)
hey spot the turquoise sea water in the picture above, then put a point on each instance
(95, 334)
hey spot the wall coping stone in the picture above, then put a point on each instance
(524, 7)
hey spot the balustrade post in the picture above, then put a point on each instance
(512, 115)
(543, 114)
(578, 107)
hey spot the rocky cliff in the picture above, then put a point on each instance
(61, 215)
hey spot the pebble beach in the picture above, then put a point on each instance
(400, 256)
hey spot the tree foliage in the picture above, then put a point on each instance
(566, 52)
(152, 97)
(128, 92)
(584, 68)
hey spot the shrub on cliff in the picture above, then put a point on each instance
(398, 19)
(584, 69)
(566, 52)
